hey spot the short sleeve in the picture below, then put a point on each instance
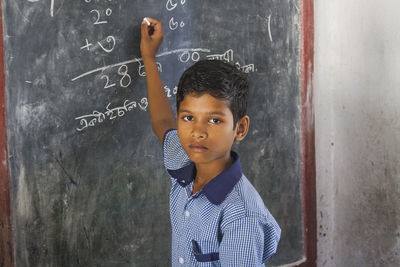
(174, 155)
(248, 242)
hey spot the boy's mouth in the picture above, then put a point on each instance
(197, 148)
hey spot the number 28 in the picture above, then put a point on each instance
(125, 80)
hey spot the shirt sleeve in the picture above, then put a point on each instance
(175, 156)
(248, 242)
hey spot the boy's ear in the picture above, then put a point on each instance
(242, 127)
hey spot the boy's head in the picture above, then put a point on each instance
(219, 79)
(211, 111)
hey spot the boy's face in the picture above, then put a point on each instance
(206, 130)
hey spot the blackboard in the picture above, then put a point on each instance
(87, 183)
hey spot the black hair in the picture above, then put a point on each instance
(219, 79)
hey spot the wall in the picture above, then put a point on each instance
(357, 111)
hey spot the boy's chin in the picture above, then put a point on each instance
(199, 159)
(202, 158)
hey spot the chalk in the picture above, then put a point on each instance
(147, 21)
(151, 28)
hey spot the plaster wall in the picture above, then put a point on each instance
(357, 120)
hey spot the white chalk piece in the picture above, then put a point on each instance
(147, 21)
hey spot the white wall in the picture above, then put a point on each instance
(357, 117)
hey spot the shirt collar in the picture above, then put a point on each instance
(219, 187)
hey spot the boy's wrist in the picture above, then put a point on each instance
(149, 59)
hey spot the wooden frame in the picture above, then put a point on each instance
(6, 242)
(308, 133)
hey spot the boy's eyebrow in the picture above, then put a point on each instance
(217, 113)
(209, 113)
(184, 110)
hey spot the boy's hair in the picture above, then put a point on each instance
(219, 79)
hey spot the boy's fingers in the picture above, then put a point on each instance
(144, 30)
(155, 24)
(153, 21)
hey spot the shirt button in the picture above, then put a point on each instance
(181, 261)
(187, 213)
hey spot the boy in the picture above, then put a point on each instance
(217, 217)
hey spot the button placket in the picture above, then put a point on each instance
(187, 208)
(189, 189)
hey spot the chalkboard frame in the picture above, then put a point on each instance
(307, 147)
(308, 134)
(6, 244)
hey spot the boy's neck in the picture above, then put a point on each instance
(206, 172)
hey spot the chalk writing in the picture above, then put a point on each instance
(51, 6)
(98, 16)
(246, 68)
(97, 117)
(171, 5)
(108, 84)
(142, 72)
(269, 28)
(267, 23)
(227, 56)
(173, 24)
(186, 56)
(87, 45)
(126, 78)
(137, 60)
(169, 92)
(111, 40)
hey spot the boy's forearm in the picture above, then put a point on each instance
(162, 117)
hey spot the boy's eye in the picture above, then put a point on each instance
(187, 118)
(214, 121)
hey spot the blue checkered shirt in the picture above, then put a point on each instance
(224, 224)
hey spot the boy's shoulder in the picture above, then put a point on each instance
(244, 201)
(173, 152)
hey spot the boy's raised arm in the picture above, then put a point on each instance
(162, 117)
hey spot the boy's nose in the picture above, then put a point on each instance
(199, 132)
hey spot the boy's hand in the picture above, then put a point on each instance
(152, 37)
